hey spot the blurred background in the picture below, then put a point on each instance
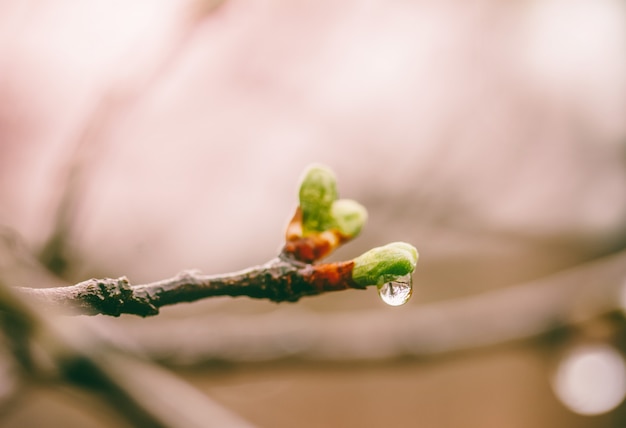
(143, 138)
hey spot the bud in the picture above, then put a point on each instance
(349, 217)
(384, 264)
(318, 191)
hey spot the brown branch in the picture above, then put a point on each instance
(279, 280)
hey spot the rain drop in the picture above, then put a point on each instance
(398, 292)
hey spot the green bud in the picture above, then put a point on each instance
(349, 217)
(384, 264)
(318, 191)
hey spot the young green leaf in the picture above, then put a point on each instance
(384, 264)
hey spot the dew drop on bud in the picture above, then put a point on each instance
(398, 292)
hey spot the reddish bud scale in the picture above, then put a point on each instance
(313, 247)
(308, 250)
(330, 276)
(294, 228)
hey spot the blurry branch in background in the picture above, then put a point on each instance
(50, 350)
(116, 101)
(567, 299)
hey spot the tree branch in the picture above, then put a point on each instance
(280, 279)
(321, 223)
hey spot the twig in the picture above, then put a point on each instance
(321, 224)
(279, 280)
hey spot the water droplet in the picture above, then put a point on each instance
(398, 292)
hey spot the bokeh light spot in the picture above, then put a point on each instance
(591, 380)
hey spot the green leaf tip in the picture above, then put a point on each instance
(318, 191)
(318, 186)
(349, 216)
(383, 264)
(321, 211)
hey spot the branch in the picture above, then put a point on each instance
(278, 280)
(321, 223)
